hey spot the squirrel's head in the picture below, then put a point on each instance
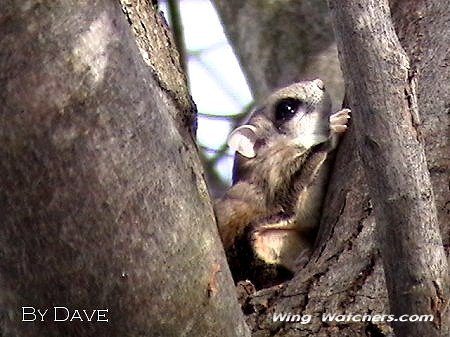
(299, 111)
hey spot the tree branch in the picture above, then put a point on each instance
(381, 91)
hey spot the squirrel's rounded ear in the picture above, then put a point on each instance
(242, 140)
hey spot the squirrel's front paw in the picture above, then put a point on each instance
(339, 120)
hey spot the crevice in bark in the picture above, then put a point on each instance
(373, 330)
(411, 99)
(439, 304)
(332, 226)
(358, 283)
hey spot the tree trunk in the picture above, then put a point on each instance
(423, 29)
(102, 202)
(280, 42)
(382, 94)
(345, 274)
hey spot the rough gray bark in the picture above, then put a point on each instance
(423, 29)
(102, 199)
(381, 89)
(280, 42)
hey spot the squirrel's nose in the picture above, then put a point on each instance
(319, 84)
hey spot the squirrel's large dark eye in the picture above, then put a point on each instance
(286, 108)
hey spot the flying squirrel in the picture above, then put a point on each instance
(268, 218)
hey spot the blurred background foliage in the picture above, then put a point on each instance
(216, 83)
